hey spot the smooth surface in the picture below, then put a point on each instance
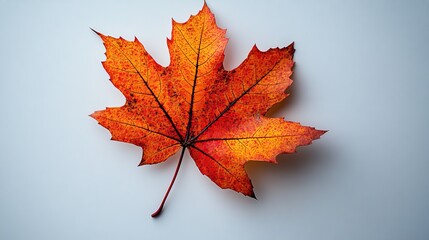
(361, 73)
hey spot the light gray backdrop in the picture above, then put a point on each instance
(361, 72)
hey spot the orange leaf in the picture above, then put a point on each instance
(195, 104)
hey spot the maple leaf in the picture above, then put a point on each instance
(195, 104)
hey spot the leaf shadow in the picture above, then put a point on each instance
(292, 169)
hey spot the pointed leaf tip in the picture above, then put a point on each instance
(253, 195)
(98, 33)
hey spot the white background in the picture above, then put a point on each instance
(361, 73)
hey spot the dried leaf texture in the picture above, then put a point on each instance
(194, 103)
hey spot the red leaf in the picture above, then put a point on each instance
(195, 104)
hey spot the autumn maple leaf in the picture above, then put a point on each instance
(195, 104)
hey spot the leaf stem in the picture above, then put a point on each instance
(158, 212)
